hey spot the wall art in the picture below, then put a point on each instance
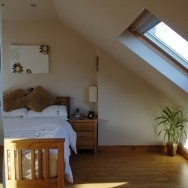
(29, 59)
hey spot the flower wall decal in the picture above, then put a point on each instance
(44, 49)
(17, 68)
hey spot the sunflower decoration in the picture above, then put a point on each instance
(28, 71)
(44, 49)
(17, 68)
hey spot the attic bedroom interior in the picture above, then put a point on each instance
(94, 77)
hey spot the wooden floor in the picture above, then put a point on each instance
(128, 169)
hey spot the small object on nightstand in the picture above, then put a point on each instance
(81, 116)
(91, 115)
(84, 115)
(77, 113)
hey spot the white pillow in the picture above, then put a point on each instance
(21, 112)
(50, 111)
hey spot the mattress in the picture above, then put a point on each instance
(43, 128)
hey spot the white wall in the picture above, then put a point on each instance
(127, 105)
(72, 60)
(1, 124)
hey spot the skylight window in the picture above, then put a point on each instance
(169, 41)
(161, 38)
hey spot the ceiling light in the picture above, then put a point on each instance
(33, 5)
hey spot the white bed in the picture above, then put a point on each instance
(46, 127)
(38, 114)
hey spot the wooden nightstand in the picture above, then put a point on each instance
(86, 133)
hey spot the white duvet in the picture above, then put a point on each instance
(43, 128)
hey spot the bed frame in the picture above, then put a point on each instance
(13, 174)
(16, 180)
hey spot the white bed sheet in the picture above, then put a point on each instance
(43, 128)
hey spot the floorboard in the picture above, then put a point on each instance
(128, 169)
(133, 169)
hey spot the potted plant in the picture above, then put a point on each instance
(173, 128)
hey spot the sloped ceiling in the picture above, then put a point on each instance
(21, 10)
(102, 21)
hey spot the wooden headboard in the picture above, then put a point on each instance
(64, 101)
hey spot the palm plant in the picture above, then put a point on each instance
(173, 122)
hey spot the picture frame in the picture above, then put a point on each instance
(29, 59)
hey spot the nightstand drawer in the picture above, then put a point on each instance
(83, 126)
(85, 140)
(85, 136)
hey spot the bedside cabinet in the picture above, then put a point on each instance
(86, 130)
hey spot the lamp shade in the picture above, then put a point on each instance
(92, 94)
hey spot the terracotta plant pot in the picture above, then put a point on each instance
(171, 149)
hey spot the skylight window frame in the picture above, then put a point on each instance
(143, 23)
(167, 49)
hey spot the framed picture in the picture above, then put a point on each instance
(91, 115)
(29, 59)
